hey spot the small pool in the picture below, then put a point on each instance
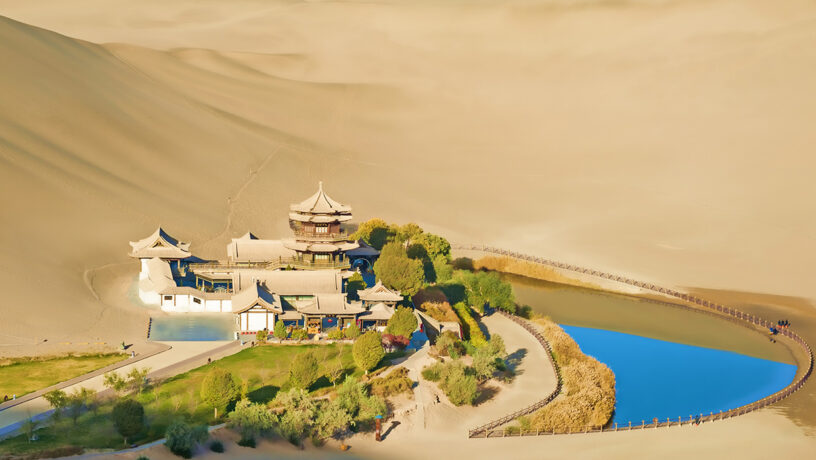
(191, 327)
(656, 378)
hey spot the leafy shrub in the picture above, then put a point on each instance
(459, 385)
(352, 331)
(335, 334)
(261, 336)
(449, 344)
(396, 382)
(470, 326)
(299, 334)
(181, 438)
(249, 442)
(217, 447)
(433, 372)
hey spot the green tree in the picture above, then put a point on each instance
(435, 246)
(407, 233)
(486, 288)
(250, 419)
(403, 322)
(375, 232)
(128, 418)
(368, 350)
(29, 426)
(442, 269)
(354, 398)
(332, 421)
(80, 398)
(182, 438)
(304, 371)
(460, 386)
(280, 330)
(336, 371)
(115, 382)
(397, 271)
(218, 389)
(352, 331)
(355, 283)
(58, 400)
(137, 379)
(299, 412)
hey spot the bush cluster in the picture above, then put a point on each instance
(457, 381)
(335, 334)
(395, 383)
(469, 325)
(300, 334)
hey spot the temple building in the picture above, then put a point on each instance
(319, 241)
(301, 280)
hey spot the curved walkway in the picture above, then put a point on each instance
(698, 305)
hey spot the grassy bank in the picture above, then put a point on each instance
(23, 375)
(587, 398)
(265, 369)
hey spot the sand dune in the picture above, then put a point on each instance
(668, 140)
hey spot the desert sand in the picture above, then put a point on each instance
(667, 140)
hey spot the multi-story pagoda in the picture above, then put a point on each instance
(319, 241)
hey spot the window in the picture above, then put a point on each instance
(322, 229)
(322, 257)
(196, 300)
(168, 297)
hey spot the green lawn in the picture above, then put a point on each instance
(265, 368)
(23, 375)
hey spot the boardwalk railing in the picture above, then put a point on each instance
(490, 430)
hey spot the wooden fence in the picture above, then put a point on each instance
(491, 430)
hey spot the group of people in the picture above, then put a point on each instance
(6, 398)
(783, 323)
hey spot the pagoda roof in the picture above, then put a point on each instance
(303, 246)
(159, 244)
(363, 249)
(320, 203)
(379, 293)
(319, 218)
(256, 295)
(331, 304)
(292, 282)
(378, 312)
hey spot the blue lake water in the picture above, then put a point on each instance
(191, 327)
(655, 378)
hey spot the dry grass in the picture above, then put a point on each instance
(23, 375)
(528, 269)
(588, 395)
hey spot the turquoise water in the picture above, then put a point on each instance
(655, 378)
(190, 327)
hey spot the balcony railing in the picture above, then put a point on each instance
(314, 236)
(282, 262)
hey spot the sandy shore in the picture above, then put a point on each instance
(668, 141)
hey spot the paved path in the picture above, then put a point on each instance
(432, 421)
(180, 357)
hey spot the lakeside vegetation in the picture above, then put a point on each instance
(20, 376)
(529, 269)
(587, 397)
